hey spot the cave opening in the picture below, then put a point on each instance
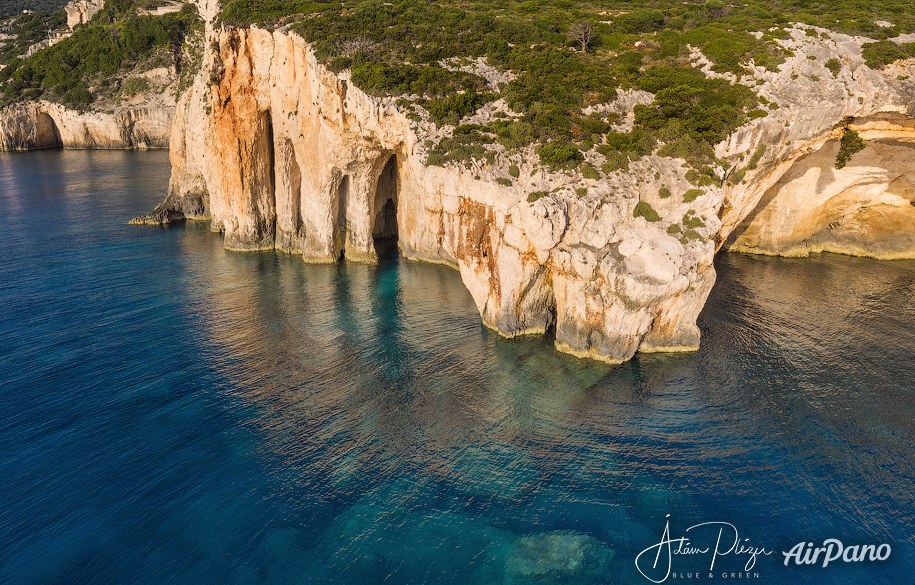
(384, 231)
(340, 228)
(47, 134)
(263, 187)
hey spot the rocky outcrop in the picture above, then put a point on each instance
(791, 200)
(866, 208)
(280, 153)
(37, 125)
(82, 11)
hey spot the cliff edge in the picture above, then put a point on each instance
(297, 158)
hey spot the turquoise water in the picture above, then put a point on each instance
(174, 413)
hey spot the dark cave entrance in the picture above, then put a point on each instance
(340, 228)
(384, 230)
(263, 179)
(46, 133)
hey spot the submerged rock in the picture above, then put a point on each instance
(558, 557)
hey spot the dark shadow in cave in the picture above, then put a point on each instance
(384, 230)
(341, 227)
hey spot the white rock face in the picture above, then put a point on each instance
(281, 153)
(795, 202)
(36, 125)
(82, 11)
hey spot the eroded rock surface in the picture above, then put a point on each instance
(281, 153)
(37, 125)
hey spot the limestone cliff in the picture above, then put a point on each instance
(279, 152)
(296, 158)
(81, 11)
(791, 200)
(37, 125)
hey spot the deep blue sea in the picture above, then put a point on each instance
(175, 413)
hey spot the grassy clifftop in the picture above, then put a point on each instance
(95, 61)
(566, 57)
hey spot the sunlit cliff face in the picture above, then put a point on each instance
(280, 153)
(865, 208)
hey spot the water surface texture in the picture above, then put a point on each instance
(175, 413)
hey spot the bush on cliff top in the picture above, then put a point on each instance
(96, 52)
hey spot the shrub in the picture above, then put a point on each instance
(692, 195)
(534, 196)
(834, 66)
(450, 109)
(639, 21)
(465, 144)
(757, 156)
(95, 52)
(245, 12)
(687, 103)
(663, 192)
(616, 161)
(882, 53)
(850, 144)
(514, 171)
(589, 172)
(690, 221)
(134, 85)
(644, 209)
(559, 155)
(705, 178)
(504, 181)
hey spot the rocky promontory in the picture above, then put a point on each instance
(299, 159)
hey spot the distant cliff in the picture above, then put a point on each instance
(112, 79)
(37, 125)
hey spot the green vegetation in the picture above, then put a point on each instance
(565, 56)
(15, 7)
(692, 195)
(589, 172)
(559, 155)
(134, 85)
(850, 144)
(690, 221)
(465, 144)
(644, 209)
(663, 192)
(757, 156)
(402, 48)
(882, 53)
(30, 29)
(116, 40)
(535, 195)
